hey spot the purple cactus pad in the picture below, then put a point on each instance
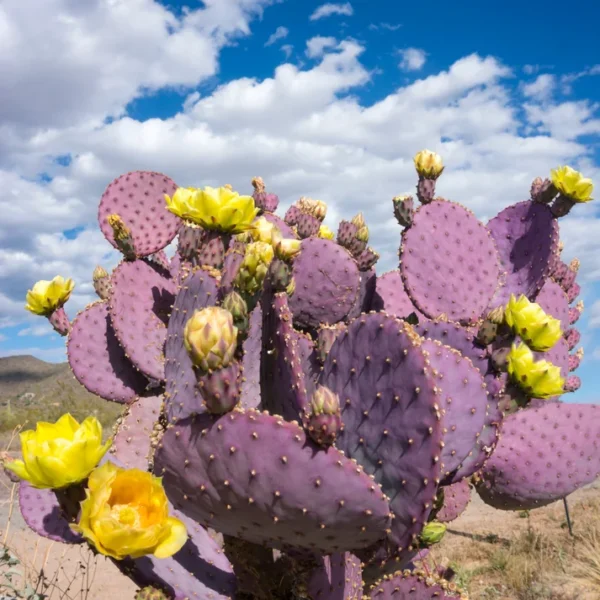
(572, 336)
(132, 443)
(392, 424)
(139, 199)
(286, 231)
(449, 262)
(463, 400)
(252, 347)
(554, 302)
(574, 315)
(456, 499)
(574, 361)
(42, 513)
(573, 292)
(544, 455)
(327, 283)
(526, 236)
(411, 586)
(140, 305)
(98, 361)
(182, 395)
(572, 384)
(199, 571)
(231, 266)
(282, 378)
(391, 297)
(368, 281)
(339, 577)
(257, 477)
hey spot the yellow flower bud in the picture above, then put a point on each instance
(529, 321)
(358, 220)
(539, 379)
(254, 267)
(210, 338)
(99, 273)
(126, 514)
(285, 248)
(56, 455)
(326, 233)
(324, 402)
(46, 296)
(428, 164)
(363, 234)
(432, 533)
(217, 209)
(572, 184)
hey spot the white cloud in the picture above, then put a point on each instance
(38, 331)
(541, 88)
(568, 120)
(316, 46)
(279, 34)
(413, 59)
(287, 49)
(330, 8)
(568, 79)
(385, 26)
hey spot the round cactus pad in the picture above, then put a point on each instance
(131, 444)
(554, 301)
(139, 199)
(449, 262)
(391, 297)
(98, 361)
(200, 570)
(42, 512)
(526, 236)
(463, 400)
(456, 499)
(339, 577)
(392, 425)
(257, 477)
(411, 586)
(327, 283)
(140, 304)
(198, 290)
(544, 454)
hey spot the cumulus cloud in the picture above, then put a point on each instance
(303, 129)
(279, 34)
(594, 314)
(330, 8)
(412, 59)
(541, 88)
(316, 46)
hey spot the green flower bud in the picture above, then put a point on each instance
(254, 267)
(432, 533)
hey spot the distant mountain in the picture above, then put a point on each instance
(33, 390)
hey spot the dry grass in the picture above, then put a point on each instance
(532, 557)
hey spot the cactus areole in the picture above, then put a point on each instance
(302, 411)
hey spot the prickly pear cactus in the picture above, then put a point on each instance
(311, 420)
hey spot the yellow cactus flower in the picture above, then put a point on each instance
(263, 231)
(358, 220)
(285, 248)
(56, 455)
(218, 209)
(572, 184)
(254, 267)
(326, 233)
(46, 296)
(539, 379)
(126, 514)
(428, 164)
(529, 321)
(210, 338)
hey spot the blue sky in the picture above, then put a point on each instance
(331, 107)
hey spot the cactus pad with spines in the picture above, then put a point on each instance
(526, 236)
(449, 262)
(42, 513)
(139, 199)
(554, 302)
(140, 305)
(456, 499)
(98, 361)
(339, 577)
(327, 283)
(413, 586)
(136, 431)
(392, 426)
(257, 477)
(391, 297)
(544, 455)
